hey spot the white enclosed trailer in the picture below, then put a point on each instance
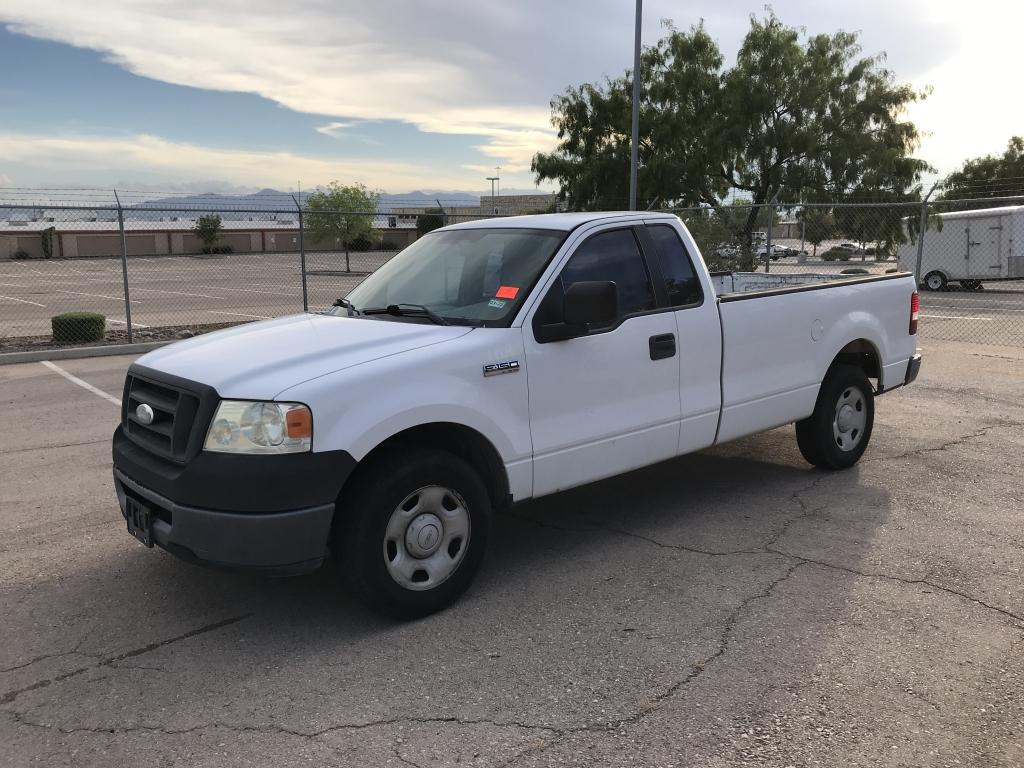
(970, 247)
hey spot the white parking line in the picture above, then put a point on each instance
(959, 317)
(95, 295)
(239, 314)
(179, 293)
(135, 323)
(84, 384)
(23, 301)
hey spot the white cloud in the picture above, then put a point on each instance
(367, 62)
(333, 129)
(178, 162)
(489, 67)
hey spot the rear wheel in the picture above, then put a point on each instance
(935, 281)
(412, 532)
(836, 434)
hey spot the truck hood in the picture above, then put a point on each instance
(259, 360)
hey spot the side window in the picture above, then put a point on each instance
(680, 277)
(611, 256)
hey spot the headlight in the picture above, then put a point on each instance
(242, 426)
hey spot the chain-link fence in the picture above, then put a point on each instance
(103, 267)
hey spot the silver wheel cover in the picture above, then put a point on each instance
(426, 538)
(849, 418)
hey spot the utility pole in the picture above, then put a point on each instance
(634, 151)
(497, 177)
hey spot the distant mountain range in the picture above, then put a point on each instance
(272, 199)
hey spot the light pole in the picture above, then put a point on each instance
(634, 151)
(493, 179)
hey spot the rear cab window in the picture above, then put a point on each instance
(681, 281)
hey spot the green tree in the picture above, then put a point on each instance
(341, 215)
(429, 220)
(591, 162)
(819, 224)
(795, 117)
(989, 176)
(208, 229)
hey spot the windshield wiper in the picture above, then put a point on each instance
(347, 305)
(407, 310)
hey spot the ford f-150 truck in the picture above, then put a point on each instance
(488, 363)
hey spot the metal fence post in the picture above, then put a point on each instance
(302, 257)
(768, 244)
(920, 241)
(124, 267)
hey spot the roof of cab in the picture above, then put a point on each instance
(563, 222)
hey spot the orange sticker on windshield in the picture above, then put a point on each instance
(506, 292)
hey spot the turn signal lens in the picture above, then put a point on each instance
(299, 422)
(915, 305)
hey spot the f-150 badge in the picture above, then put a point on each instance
(509, 366)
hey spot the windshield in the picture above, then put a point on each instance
(468, 276)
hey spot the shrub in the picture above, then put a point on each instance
(21, 254)
(78, 326)
(361, 243)
(218, 249)
(837, 254)
(890, 270)
(854, 271)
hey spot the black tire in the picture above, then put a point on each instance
(844, 385)
(359, 543)
(935, 281)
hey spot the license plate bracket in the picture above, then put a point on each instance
(140, 520)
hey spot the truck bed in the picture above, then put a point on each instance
(727, 283)
(780, 332)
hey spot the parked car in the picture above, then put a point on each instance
(489, 363)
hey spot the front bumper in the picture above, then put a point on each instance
(268, 513)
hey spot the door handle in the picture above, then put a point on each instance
(662, 346)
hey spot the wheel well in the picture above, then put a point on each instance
(465, 442)
(862, 354)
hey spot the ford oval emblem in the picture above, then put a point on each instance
(144, 414)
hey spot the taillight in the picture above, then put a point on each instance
(915, 305)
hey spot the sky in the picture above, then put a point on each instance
(238, 95)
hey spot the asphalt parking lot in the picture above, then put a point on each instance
(178, 290)
(730, 608)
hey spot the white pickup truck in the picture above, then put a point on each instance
(489, 363)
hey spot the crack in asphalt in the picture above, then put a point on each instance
(653, 705)
(982, 432)
(10, 451)
(923, 582)
(108, 661)
(20, 719)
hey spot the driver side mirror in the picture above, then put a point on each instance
(589, 302)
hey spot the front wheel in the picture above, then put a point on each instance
(411, 533)
(836, 434)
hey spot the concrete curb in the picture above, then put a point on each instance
(72, 353)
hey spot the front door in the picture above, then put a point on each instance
(606, 402)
